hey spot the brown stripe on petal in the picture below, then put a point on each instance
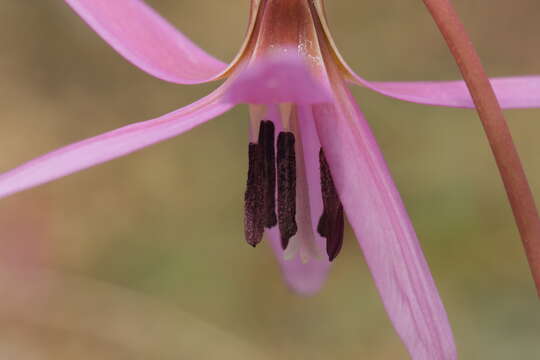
(331, 223)
(266, 140)
(286, 167)
(254, 196)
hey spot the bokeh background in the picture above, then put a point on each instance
(144, 257)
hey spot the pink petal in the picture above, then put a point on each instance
(384, 231)
(111, 145)
(282, 77)
(512, 92)
(147, 40)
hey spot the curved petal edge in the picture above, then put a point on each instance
(277, 78)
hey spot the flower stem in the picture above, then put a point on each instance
(496, 129)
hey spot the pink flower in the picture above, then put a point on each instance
(327, 161)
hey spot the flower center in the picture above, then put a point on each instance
(285, 168)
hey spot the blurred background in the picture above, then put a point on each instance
(144, 257)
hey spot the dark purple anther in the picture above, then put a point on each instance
(266, 141)
(254, 196)
(331, 223)
(286, 167)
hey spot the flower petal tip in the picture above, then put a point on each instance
(305, 283)
(303, 278)
(280, 77)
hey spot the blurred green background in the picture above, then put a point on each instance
(144, 257)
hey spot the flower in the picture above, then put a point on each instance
(327, 164)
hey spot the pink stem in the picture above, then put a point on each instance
(496, 128)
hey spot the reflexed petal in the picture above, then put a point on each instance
(275, 79)
(384, 231)
(110, 145)
(512, 92)
(147, 40)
